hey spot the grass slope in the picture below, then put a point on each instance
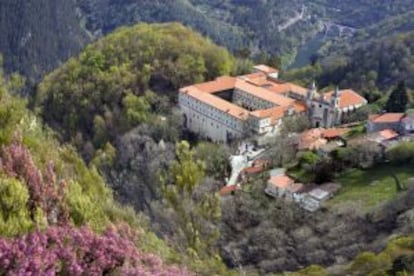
(368, 188)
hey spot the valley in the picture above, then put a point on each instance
(192, 137)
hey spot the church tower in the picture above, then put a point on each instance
(336, 98)
(310, 100)
(311, 92)
(335, 113)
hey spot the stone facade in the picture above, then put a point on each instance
(330, 109)
(209, 121)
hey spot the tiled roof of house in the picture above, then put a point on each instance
(263, 93)
(225, 106)
(386, 118)
(299, 107)
(217, 85)
(281, 181)
(311, 139)
(298, 89)
(382, 136)
(331, 133)
(261, 163)
(227, 190)
(254, 76)
(348, 98)
(262, 82)
(252, 170)
(273, 113)
(265, 69)
(388, 134)
(285, 87)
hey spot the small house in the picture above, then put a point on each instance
(384, 121)
(284, 187)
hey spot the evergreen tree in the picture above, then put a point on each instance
(397, 102)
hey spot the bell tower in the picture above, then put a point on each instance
(336, 98)
(312, 91)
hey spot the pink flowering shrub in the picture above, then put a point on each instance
(71, 251)
(44, 190)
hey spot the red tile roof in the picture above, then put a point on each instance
(348, 98)
(252, 170)
(263, 93)
(223, 105)
(300, 107)
(388, 134)
(386, 118)
(261, 163)
(281, 181)
(254, 76)
(311, 139)
(217, 85)
(273, 113)
(334, 132)
(227, 190)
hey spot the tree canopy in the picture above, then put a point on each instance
(398, 100)
(107, 89)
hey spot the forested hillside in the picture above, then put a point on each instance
(269, 31)
(36, 36)
(261, 28)
(372, 68)
(57, 215)
(126, 79)
(114, 103)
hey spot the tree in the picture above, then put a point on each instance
(194, 217)
(215, 158)
(398, 184)
(295, 124)
(14, 216)
(397, 102)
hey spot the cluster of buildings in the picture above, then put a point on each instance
(231, 108)
(400, 122)
(322, 140)
(309, 197)
(254, 105)
(387, 129)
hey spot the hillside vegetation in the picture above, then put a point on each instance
(115, 104)
(126, 79)
(372, 68)
(58, 216)
(273, 27)
(37, 36)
